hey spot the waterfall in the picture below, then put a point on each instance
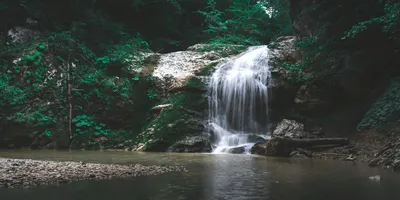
(238, 100)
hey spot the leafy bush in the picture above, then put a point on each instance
(34, 88)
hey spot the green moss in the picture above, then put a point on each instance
(207, 70)
(222, 49)
(183, 118)
(385, 110)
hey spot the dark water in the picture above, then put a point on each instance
(214, 177)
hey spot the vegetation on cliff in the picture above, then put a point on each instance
(353, 47)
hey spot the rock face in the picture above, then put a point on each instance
(283, 49)
(388, 156)
(282, 92)
(175, 69)
(259, 148)
(289, 128)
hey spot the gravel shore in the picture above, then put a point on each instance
(31, 173)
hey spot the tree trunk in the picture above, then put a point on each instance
(301, 143)
(284, 146)
(69, 100)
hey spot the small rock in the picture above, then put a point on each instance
(375, 178)
(350, 158)
(238, 150)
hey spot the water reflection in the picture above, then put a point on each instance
(240, 180)
(218, 177)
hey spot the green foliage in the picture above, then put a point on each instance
(151, 94)
(385, 109)
(128, 52)
(235, 40)
(205, 71)
(88, 126)
(175, 120)
(243, 22)
(388, 22)
(34, 87)
(297, 72)
(224, 49)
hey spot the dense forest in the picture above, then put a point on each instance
(67, 66)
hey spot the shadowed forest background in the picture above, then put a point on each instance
(67, 67)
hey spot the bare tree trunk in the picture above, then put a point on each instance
(69, 98)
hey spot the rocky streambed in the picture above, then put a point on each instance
(31, 173)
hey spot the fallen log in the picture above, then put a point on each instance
(280, 146)
(302, 143)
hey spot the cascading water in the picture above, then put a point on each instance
(238, 100)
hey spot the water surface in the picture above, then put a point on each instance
(217, 177)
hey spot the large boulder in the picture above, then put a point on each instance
(259, 148)
(200, 143)
(277, 146)
(289, 128)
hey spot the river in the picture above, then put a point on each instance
(216, 177)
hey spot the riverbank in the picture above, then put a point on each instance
(31, 173)
(371, 147)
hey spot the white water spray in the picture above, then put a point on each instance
(238, 99)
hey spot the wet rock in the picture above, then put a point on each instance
(289, 128)
(278, 146)
(300, 153)
(256, 138)
(259, 148)
(238, 150)
(192, 144)
(31, 173)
